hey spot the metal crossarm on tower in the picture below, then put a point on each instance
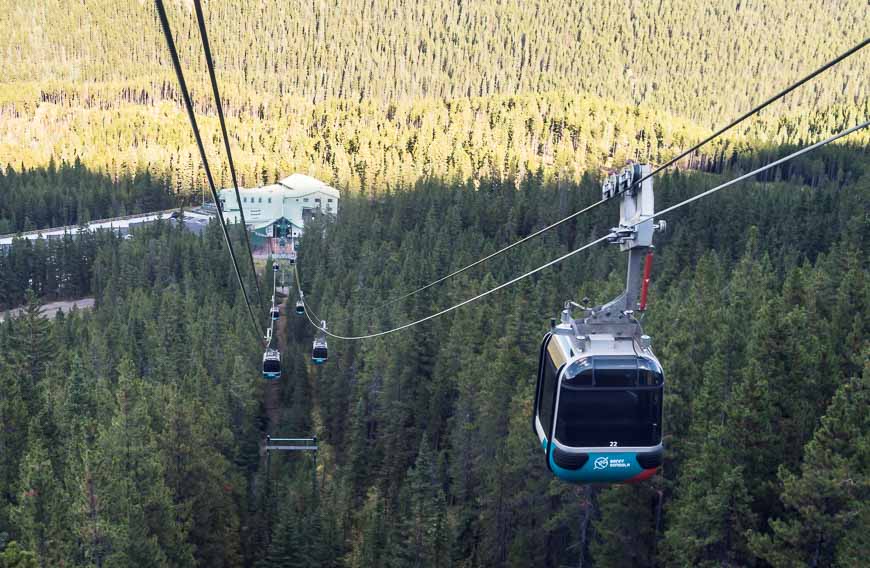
(291, 444)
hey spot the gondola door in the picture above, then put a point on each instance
(550, 362)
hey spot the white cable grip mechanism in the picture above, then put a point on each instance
(634, 235)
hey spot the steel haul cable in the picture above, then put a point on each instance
(217, 100)
(167, 32)
(756, 109)
(590, 244)
(271, 333)
(636, 183)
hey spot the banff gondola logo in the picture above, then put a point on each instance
(605, 462)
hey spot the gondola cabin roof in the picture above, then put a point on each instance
(572, 345)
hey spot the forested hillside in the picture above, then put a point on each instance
(379, 94)
(691, 58)
(131, 432)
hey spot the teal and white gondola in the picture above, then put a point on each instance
(300, 304)
(598, 407)
(600, 390)
(319, 350)
(272, 364)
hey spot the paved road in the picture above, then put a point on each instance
(49, 310)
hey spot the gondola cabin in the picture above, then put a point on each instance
(598, 406)
(300, 308)
(272, 364)
(319, 351)
(274, 313)
(276, 267)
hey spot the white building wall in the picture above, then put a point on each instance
(290, 198)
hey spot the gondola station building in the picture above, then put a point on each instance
(280, 210)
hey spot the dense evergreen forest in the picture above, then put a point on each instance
(376, 95)
(760, 318)
(53, 270)
(691, 58)
(130, 433)
(64, 195)
(70, 194)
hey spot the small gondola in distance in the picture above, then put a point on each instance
(272, 364)
(319, 349)
(319, 353)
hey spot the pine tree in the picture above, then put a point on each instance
(420, 535)
(143, 525)
(40, 515)
(13, 556)
(826, 521)
(370, 547)
(711, 510)
(31, 351)
(13, 437)
(527, 481)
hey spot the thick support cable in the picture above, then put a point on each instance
(220, 110)
(271, 330)
(493, 255)
(655, 171)
(304, 302)
(460, 304)
(590, 244)
(755, 110)
(167, 32)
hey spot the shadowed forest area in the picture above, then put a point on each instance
(133, 430)
(58, 195)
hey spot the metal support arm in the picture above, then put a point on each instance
(634, 235)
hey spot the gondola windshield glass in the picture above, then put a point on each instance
(271, 366)
(614, 401)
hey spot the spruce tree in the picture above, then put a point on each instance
(13, 556)
(826, 521)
